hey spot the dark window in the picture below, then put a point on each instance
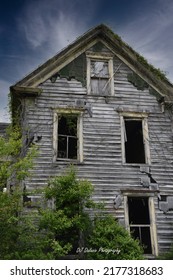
(134, 142)
(100, 77)
(67, 136)
(139, 221)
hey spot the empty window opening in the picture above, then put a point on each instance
(134, 142)
(139, 221)
(67, 136)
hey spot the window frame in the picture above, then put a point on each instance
(79, 114)
(143, 117)
(152, 216)
(100, 57)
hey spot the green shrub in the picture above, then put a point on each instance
(110, 241)
(68, 222)
(65, 229)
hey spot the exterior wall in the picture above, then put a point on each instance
(102, 147)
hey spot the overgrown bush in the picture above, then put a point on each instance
(69, 221)
(14, 167)
(110, 241)
(70, 224)
(9, 207)
(65, 229)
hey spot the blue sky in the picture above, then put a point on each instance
(33, 31)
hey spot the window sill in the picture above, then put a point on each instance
(136, 164)
(67, 161)
(149, 256)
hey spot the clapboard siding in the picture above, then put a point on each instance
(102, 152)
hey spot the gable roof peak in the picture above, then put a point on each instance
(123, 51)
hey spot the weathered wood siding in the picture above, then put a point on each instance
(102, 142)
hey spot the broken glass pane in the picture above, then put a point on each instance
(99, 69)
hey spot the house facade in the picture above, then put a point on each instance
(100, 106)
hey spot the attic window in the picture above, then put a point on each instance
(135, 141)
(67, 135)
(100, 75)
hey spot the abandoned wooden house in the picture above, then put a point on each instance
(99, 105)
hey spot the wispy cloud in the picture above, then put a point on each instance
(45, 27)
(54, 23)
(151, 35)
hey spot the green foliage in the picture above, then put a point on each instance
(156, 71)
(110, 241)
(9, 209)
(58, 232)
(12, 163)
(69, 219)
(11, 145)
(71, 225)
(13, 169)
(21, 237)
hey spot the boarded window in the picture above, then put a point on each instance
(67, 136)
(139, 221)
(100, 77)
(134, 141)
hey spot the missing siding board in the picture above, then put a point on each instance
(75, 69)
(139, 220)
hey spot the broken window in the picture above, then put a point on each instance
(139, 221)
(100, 75)
(135, 141)
(67, 136)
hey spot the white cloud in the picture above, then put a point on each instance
(54, 23)
(151, 35)
(47, 26)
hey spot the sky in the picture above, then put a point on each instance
(32, 31)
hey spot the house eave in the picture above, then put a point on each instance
(25, 90)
